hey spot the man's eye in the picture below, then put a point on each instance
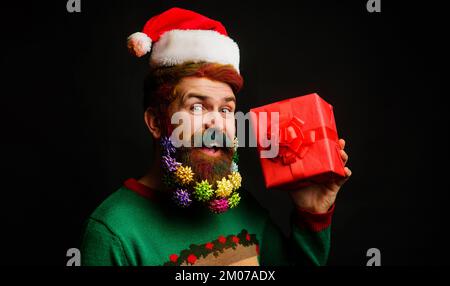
(226, 110)
(197, 108)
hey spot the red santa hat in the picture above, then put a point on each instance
(177, 36)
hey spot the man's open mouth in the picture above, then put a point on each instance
(207, 150)
(211, 149)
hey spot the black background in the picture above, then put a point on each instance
(72, 122)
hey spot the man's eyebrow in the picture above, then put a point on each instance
(230, 98)
(203, 97)
(194, 95)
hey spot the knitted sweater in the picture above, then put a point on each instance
(139, 226)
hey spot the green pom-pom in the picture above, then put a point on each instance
(234, 200)
(235, 157)
(203, 191)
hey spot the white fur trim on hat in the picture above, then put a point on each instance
(180, 46)
(139, 44)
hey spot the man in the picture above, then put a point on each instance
(189, 209)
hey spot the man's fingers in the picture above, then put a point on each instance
(348, 173)
(344, 156)
(342, 143)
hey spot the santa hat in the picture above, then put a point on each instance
(178, 36)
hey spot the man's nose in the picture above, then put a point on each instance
(213, 119)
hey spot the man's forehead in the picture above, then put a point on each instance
(204, 88)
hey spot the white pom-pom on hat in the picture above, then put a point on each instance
(139, 44)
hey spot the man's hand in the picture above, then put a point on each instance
(318, 198)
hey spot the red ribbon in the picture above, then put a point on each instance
(294, 142)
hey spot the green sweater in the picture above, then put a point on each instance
(138, 226)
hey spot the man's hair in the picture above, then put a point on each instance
(160, 84)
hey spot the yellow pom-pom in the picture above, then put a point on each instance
(184, 175)
(236, 179)
(224, 188)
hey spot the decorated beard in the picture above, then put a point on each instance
(207, 173)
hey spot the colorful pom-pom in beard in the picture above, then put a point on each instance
(207, 174)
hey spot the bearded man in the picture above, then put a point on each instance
(189, 208)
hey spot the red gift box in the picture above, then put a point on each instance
(307, 140)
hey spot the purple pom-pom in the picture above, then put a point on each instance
(167, 146)
(169, 163)
(182, 198)
(219, 205)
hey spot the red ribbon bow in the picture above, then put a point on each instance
(294, 142)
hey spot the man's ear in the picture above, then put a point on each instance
(153, 121)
